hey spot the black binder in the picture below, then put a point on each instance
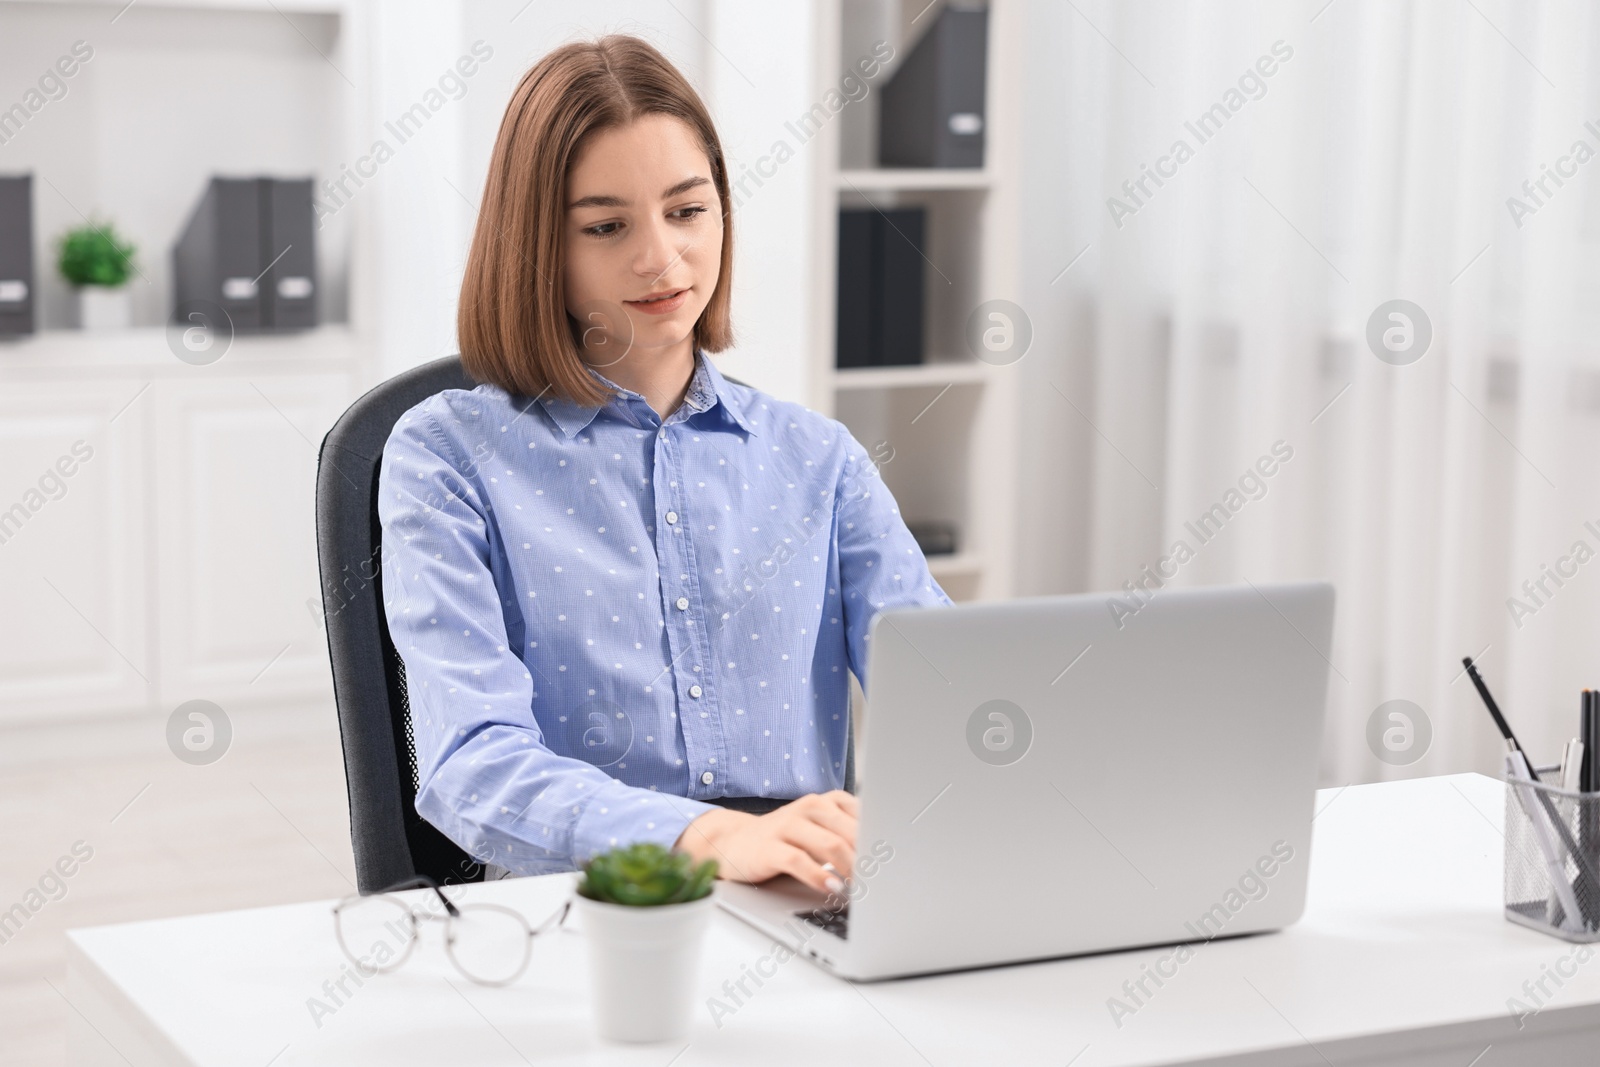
(17, 293)
(933, 107)
(899, 289)
(250, 248)
(856, 338)
(880, 287)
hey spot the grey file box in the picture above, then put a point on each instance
(933, 107)
(288, 289)
(250, 248)
(18, 297)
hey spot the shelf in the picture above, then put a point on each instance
(177, 92)
(930, 178)
(910, 376)
(952, 564)
(298, 7)
(144, 349)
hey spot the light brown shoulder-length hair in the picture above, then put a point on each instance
(512, 323)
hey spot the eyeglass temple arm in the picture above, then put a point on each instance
(557, 919)
(422, 881)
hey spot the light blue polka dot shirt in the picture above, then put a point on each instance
(607, 617)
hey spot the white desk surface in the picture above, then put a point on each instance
(1403, 956)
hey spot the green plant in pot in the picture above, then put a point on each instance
(97, 262)
(645, 875)
(644, 910)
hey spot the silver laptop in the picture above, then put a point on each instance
(1069, 774)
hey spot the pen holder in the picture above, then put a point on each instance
(1552, 861)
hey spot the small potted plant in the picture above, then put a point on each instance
(644, 911)
(97, 262)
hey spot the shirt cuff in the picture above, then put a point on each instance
(621, 815)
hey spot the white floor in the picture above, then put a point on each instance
(268, 823)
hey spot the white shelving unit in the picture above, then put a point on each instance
(944, 432)
(177, 559)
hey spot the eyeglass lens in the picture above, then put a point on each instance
(489, 943)
(376, 932)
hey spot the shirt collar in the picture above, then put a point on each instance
(708, 390)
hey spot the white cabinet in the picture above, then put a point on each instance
(177, 560)
(235, 465)
(74, 589)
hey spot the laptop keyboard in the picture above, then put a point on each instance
(835, 922)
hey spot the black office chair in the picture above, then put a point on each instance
(392, 842)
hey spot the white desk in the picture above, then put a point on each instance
(1403, 957)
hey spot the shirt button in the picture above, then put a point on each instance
(694, 690)
(683, 603)
(705, 779)
(672, 516)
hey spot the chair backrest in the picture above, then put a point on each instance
(392, 842)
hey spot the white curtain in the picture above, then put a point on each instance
(1228, 311)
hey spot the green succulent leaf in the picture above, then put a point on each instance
(645, 875)
(95, 254)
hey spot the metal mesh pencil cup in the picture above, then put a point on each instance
(1552, 864)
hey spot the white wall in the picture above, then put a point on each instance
(750, 63)
(415, 210)
(754, 87)
(1060, 152)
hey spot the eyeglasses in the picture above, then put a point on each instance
(489, 944)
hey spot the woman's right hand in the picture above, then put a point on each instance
(796, 839)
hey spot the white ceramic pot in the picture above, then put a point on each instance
(644, 965)
(101, 308)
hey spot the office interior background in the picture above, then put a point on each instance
(1187, 312)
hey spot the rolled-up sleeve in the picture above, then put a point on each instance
(880, 564)
(487, 778)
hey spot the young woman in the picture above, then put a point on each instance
(627, 591)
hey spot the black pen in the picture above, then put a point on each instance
(1494, 711)
(1589, 775)
(1589, 734)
